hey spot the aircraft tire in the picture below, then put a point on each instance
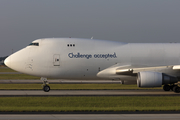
(171, 87)
(176, 89)
(166, 88)
(46, 88)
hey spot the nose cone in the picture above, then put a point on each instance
(16, 61)
(7, 61)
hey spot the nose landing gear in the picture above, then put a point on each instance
(45, 87)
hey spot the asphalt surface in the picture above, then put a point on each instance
(60, 81)
(87, 93)
(91, 117)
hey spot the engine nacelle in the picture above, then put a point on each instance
(154, 79)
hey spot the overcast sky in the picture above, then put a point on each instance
(22, 21)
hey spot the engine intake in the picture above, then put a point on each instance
(154, 79)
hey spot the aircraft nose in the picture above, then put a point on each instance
(7, 61)
(17, 60)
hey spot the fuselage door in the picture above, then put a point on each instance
(56, 60)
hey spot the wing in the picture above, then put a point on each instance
(129, 72)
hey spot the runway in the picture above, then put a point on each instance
(90, 117)
(12, 93)
(61, 81)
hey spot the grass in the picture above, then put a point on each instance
(17, 77)
(70, 87)
(123, 103)
(6, 69)
(14, 76)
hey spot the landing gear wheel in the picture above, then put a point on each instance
(171, 87)
(46, 88)
(166, 88)
(176, 89)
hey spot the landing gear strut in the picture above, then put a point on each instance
(174, 88)
(46, 87)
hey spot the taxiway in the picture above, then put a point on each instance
(61, 81)
(90, 117)
(87, 93)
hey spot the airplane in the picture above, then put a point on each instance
(148, 64)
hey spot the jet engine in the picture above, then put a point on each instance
(154, 79)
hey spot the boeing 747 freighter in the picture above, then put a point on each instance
(150, 64)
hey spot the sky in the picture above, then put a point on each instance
(147, 21)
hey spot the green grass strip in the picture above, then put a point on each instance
(14, 76)
(123, 103)
(17, 77)
(5, 69)
(70, 87)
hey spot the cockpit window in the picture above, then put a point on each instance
(34, 44)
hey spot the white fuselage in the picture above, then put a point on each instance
(72, 58)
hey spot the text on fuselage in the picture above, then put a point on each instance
(88, 56)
